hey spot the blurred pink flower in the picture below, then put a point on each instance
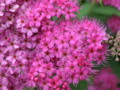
(105, 80)
(114, 24)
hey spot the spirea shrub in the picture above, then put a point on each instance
(67, 53)
(38, 51)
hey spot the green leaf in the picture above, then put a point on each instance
(85, 8)
(82, 1)
(106, 10)
(54, 18)
(81, 86)
(101, 2)
(115, 66)
(98, 16)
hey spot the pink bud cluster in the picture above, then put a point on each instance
(67, 54)
(37, 51)
(106, 80)
(114, 24)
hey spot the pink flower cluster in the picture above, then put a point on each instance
(115, 3)
(114, 24)
(21, 23)
(38, 51)
(31, 16)
(39, 16)
(67, 53)
(106, 80)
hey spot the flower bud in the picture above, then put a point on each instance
(118, 49)
(106, 41)
(117, 59)
(113, 53)
(43, 75)
(108, 36)
(118, 33)
(111, 37)
(113, 49)
(115, 44)
(36, 79)
(118, 54)
(110, 41)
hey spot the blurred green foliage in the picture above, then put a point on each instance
(81, 86)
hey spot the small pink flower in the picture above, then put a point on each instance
(47, 25)
(68, 14)
(14, 8)
(1, 10)
(20, 22)
(29, 30)
(35, 20)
